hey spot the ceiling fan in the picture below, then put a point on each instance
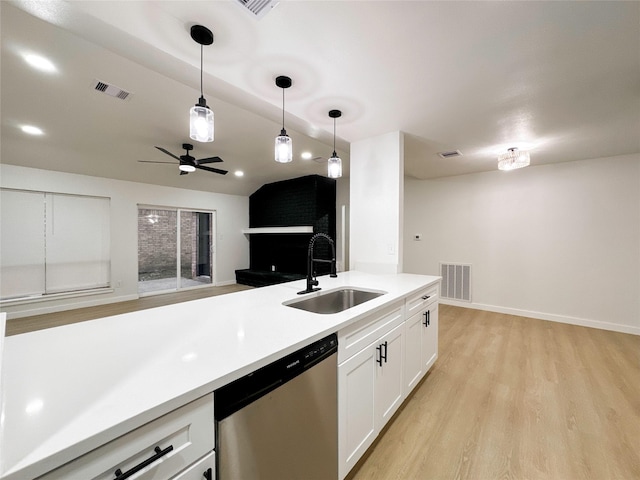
(189, 163)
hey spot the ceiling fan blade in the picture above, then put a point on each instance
(209, 160)
(214, 170)
(168, 153)
(183, 172)
(153, 161)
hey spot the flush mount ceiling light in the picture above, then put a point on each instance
(284, 146)
(334, 163)
(513, 159)
(201, 116)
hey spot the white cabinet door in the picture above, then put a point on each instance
(389, 385)
(430, 339)
(414, 367)
(356, 413)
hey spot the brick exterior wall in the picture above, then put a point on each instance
(157, 241)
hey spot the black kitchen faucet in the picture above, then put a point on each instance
(311, 276)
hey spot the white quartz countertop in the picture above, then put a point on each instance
(70, 389)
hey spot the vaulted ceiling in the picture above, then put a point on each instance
(559, 78)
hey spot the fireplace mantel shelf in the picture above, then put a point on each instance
(294, 229)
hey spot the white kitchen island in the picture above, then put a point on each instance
(71, 389)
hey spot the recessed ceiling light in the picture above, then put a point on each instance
(40, 63)
(306, 155)
(31, 130)
(239, 173)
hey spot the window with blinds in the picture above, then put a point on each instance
(52, 243)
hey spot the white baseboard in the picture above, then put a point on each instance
(40, 310)
(583, 322)
(225, 283)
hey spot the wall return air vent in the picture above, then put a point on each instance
(456, 281)
(110, 90)
(259, 7)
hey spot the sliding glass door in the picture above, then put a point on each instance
(175, 249)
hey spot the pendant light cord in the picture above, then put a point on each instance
(334, 136)
(201, 92)
(283, 109)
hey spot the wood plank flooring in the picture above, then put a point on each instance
(38, 322)
(516, 398)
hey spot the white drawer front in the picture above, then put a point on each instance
(204, 469)
(186, 434)
(420, 300)
(355, 337)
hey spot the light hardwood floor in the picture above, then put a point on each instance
(38, 322)
(516, 398)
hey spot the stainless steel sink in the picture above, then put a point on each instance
(335, 301)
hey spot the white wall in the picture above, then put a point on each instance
(376, 192)
(232, 247)
(558, 242)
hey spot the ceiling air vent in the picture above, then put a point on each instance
(110, 90)
(450, 154)
(259, 7)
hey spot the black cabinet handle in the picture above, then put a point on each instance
(427, 318)
(426, 297)
(208, 474)
(159, 454)
(382, 356)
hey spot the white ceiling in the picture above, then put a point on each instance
(560, 78)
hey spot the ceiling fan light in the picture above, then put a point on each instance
(187, 168)
(513, 159)
(201, 122)
(283, 148)
(334, 166)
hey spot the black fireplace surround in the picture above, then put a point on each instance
(282, 257)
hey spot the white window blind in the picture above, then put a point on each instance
(21, 243)
(53, 243)
(77, 243)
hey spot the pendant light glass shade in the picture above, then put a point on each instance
(284, 148)
(201, 116)
(513, 159)
(201, 122)
(283, 145)
(334, 164)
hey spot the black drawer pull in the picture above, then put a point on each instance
(426, 297)
(208, 474)
(159, 453)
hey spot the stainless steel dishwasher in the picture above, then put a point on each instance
(280, 422)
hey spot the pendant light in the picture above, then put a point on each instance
(201, 116)
(284, 146)
(334, 163)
